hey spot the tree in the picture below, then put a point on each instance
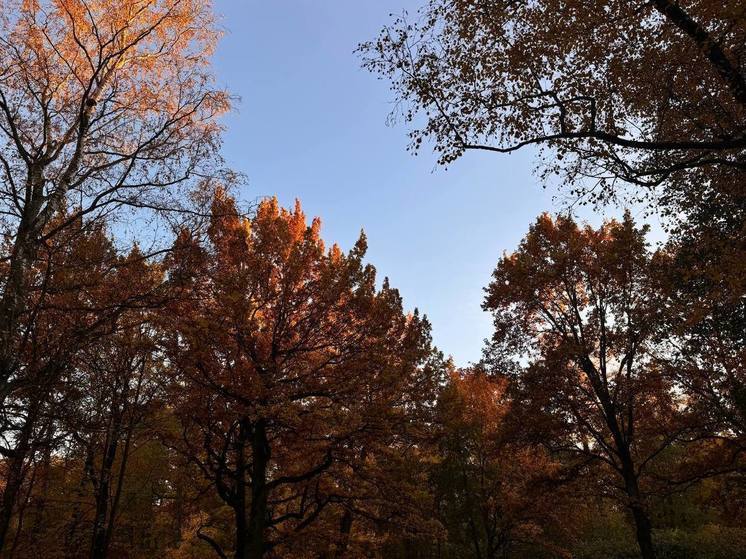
(703, 336)
(494, 493)
(581, 307)
(286, 361)
(640, 91)
(650, 94)
(81, 291)
(103, 104)
(116, 385)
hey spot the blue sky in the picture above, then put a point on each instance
(311, 124)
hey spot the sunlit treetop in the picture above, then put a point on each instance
(111, 100)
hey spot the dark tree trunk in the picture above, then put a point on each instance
(72, 538)
(239, 495)
(644, 532)
(16, 474)
(39, 512)
(623, 445)
(12, 305)
(25, 247)
(10, 495)
(259, 492)
(239, 511)
(345, 527)
(100, 544)
(643, 526)
(12, 302)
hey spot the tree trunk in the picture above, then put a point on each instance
(16, 474)
(643, 526)
(11, 304)
(623, 446)
(644, 531)
(12, 489)
(71, 537)
(103, 493)
(239, 501)
(39, 525)
(242, 532)
(25, 247)
(258, 511)
(345, 528)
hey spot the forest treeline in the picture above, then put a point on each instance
(185, 376)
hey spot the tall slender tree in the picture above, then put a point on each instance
(580, 307)
(103, 105)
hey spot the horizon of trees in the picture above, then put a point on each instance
(237, 388)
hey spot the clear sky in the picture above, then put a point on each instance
(311, 124)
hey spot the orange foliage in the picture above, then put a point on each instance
(288, 362)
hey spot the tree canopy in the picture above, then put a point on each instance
(186, 375)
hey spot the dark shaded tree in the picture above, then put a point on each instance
(580, 306)
(640, 91)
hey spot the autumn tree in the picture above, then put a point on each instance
(641, 91)
(287, 360)
(580, 307)
(703, 336)
(110, 405)
(81, 290)
(103, 104)
(494, 494)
